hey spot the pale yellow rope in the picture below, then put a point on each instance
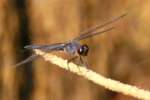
(96, 78)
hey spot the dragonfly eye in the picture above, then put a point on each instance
(83, 50)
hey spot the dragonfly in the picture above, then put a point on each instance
(73, 47)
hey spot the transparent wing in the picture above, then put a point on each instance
(89, 32)
(32, 57)
(56, 46)
(95, 33)
(51, 47)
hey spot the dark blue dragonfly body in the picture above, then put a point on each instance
(73, 47)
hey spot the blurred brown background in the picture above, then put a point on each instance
(122, 54)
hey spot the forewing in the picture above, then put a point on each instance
(87, 33)
(95, 33)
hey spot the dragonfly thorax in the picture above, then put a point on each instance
(83, 50)
(72, 47)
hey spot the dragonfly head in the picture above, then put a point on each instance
(83, 50)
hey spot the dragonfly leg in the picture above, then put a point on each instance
(83, 62)
(71, 59)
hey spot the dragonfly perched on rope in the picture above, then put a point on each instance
(73, 47)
